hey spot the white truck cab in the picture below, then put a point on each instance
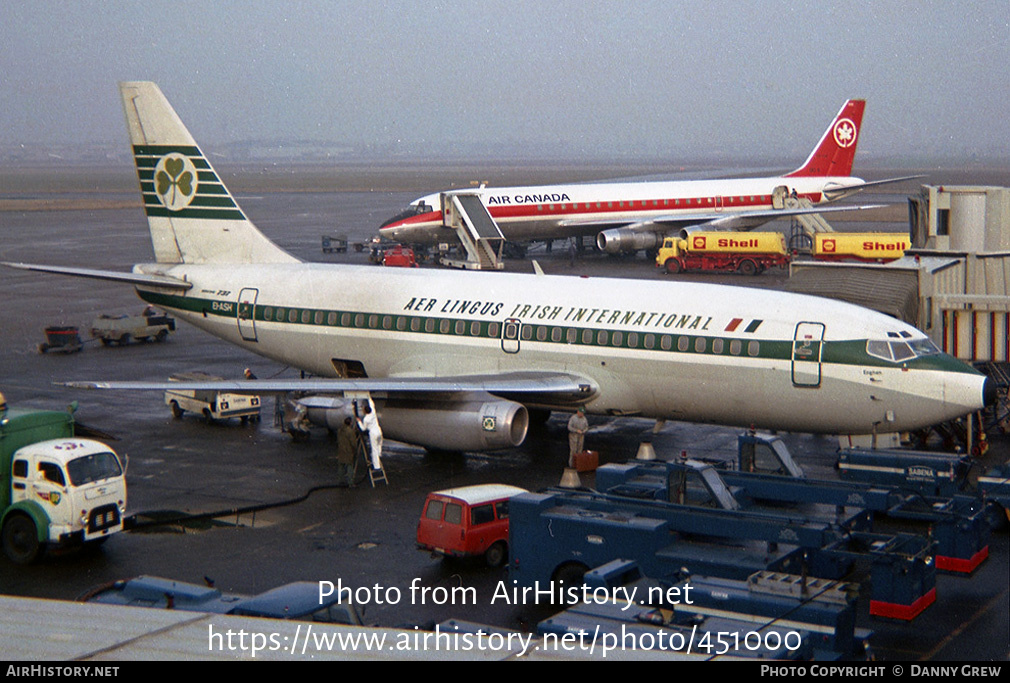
(59, 492)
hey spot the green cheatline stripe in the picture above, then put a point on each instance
(162, 150)
(833, 353)
(199, 200)
(147, 188)
(146, 175)
(144, 163)
(220, 214)
(465, 327)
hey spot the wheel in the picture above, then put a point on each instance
(177, 411)
(570, 573)
(208, 417)
(43, 347)
(106, 341)
(672, 266)
(747, 267)
(21, 539)
(161, 336)
(125, 339)
(496, 554)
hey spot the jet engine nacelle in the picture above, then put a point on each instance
(685, 232)
(473, 423)
(621, 240)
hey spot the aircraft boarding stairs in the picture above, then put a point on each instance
(478, 233)
(803, 226)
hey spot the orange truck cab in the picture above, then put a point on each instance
(469, 521)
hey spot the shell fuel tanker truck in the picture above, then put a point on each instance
(752, 253)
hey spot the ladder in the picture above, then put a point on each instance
(377, 475)
(364, 460)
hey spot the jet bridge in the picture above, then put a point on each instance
(477, 231)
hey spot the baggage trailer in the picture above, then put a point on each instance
(822, 612)
(62, 339)
(961, 520)
(559, 534)
(336, 244)
(959, 524)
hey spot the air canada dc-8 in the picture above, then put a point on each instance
(455, 360)
(629, 216)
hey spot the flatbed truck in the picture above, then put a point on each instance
(56, 489)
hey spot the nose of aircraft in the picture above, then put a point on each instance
(989, 395)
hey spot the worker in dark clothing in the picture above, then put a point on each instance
(347, 449)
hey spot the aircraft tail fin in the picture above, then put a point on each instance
(836, 150)
(192, 216)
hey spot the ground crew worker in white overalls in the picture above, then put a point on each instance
(577, 428)
(370, 424)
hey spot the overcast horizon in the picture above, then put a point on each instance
(647, 79)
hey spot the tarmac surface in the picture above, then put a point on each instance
(317, 532)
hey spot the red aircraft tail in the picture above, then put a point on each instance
(834, 153)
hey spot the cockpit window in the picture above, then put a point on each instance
(901, 351)
(411, 211)
(924, 347)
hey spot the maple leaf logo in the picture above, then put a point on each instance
(845, 133)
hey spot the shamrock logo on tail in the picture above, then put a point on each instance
(175, 181)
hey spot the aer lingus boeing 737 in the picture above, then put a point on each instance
(455, 360)
(628, 216)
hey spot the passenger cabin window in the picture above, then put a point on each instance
(20, 468)
(502, 508)
(481, 514)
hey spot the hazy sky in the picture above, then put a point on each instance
(593, 78)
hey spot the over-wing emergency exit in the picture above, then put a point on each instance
(629, 216)
(456, 359)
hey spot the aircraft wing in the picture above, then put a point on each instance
(114, 275)
(834, 193)
(519, 386)
(712, 220)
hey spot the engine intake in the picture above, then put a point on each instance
(621, 240)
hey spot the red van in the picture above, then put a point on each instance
(467, 522)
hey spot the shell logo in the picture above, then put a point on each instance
(828, 246)
(698, 242)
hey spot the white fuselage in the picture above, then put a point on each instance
(674, 350)
(560, 211)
